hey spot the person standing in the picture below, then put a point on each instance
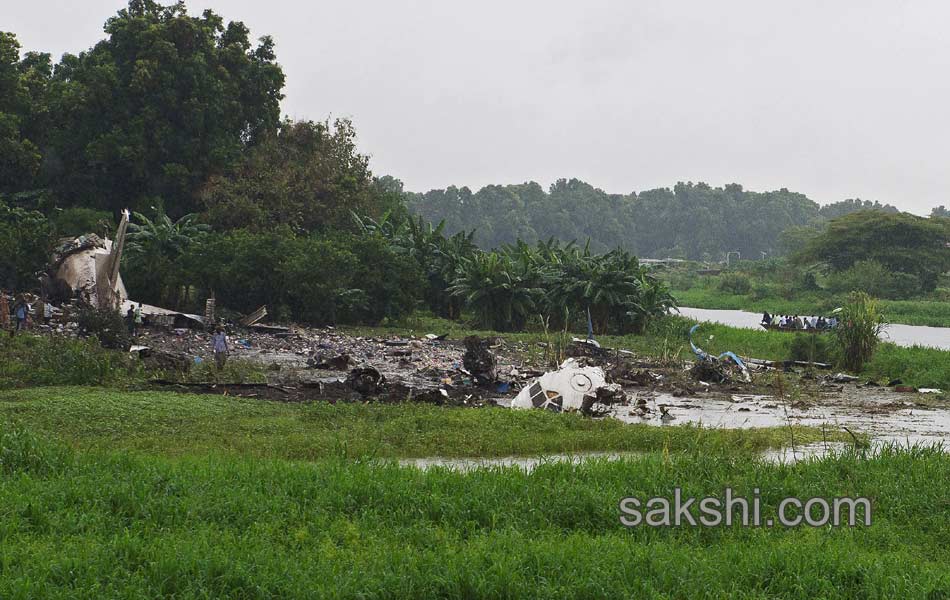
(130, 320)
(4, 311)
(21, 312)
(47, 312)
(219, 342)
(138, 316)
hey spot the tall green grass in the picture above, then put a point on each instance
(37, 360)
(114, 525)
(182, 424)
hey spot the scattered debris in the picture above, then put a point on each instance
(340, 362)
(713, 368)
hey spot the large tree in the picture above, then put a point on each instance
(307, 176)
(23, 114)
(901, 242)
(165, 101)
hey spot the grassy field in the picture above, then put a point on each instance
(172, 424)
(97, 523)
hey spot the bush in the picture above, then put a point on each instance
(346, 279)
(32, 360)
(78, 221)
(25, 240)
(875, 279)
(106, 325)
(810, 348)
(860, 324)
(735, 283)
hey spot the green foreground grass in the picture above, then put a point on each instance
(101, 524)
(117, 494)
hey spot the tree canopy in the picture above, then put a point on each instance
(23, 125)
(148, 114)
(903, 243)
(307, 176)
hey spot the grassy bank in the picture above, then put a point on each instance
(111, 524)
(181, 424)
(909, 312)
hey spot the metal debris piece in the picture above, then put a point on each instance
(209, 310)
(711, 368)
(564, 389)
(478, 360)
(589, 347)
(255, 317)
(366, 380)
(843, 378)
(89, 266)
(340, 362)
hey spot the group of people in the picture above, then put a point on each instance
(133, 319)
(22, 312)
(797, 322)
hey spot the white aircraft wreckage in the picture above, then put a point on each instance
(570, 388)
(89, 267)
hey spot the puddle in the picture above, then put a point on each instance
(786, 455)
(526, 463)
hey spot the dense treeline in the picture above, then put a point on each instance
(692, 220)
(177, 118)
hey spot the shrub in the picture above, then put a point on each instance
(80, 220)
(810, 348)
(735, 283)
(860, 324)
(875, 279)
(25, 239)
(315, 279)
(32, 360)
(105, 324)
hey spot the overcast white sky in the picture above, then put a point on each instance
(833, 99)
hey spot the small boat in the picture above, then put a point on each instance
(771, 327)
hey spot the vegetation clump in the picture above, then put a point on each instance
(860, 324)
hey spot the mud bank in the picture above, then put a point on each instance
(885, 415)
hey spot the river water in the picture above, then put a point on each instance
(902, 335)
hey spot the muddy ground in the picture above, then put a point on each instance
(316, 364)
